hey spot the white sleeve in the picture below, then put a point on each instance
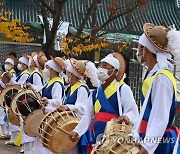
(14, 75)
(21, 81)
(85, 120)
(37, 83)
(81, 101)
(2, 84)
(129, 106)
(161, 97)
(56, 100)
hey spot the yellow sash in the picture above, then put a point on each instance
(76, 86)
(147, 82)
(109, 91)
(54, 80)
(12, 70)
(25, 72)
(35, 71)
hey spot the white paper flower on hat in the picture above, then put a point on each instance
(91, 72)
(66, 63)
(174, 43)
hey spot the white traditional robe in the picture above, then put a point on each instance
(161, 98)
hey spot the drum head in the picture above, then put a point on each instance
(32, 123)
(50, 133)
(57, 144)
(14, 119)
(26, 102)
(8, 93)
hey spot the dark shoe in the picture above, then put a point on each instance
(5, 136)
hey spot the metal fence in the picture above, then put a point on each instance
(18, 48)
(135, 82)
(135, 79)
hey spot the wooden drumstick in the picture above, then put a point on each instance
(37, 97)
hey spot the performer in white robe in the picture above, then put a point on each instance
(77, 97)
(107, 104)
(20, 80)
(34, 81)
(155, 123)
(10, 61)
(53, 94)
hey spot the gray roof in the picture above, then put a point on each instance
(74, 10)
(158, 11)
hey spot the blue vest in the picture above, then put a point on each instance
(164, 148)
(21, 74)
(46, 92)
(108, 104)
(30, 79)
(71, 98)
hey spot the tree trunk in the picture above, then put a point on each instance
(48, 47)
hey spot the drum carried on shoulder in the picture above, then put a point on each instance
(116, 140)
(55, 128)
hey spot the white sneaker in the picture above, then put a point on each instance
(22, 150)
(9, 143)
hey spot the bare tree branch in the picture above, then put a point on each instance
(56, 20)
(110, 19)
(47, 6)
(86, 18)
(45, 21)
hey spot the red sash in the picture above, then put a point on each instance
(144, 123)
(105, 117)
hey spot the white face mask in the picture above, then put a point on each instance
(46, 73)
(7, 67)
(20, 67)
(102, 74)
(139, 58)
(66, 79)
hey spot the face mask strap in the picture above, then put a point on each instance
(112, 72)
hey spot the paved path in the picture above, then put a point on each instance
(5, 149)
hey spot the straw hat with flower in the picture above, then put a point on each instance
(59, 61)
(79, 66)
(122, 67)
(157, 35)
